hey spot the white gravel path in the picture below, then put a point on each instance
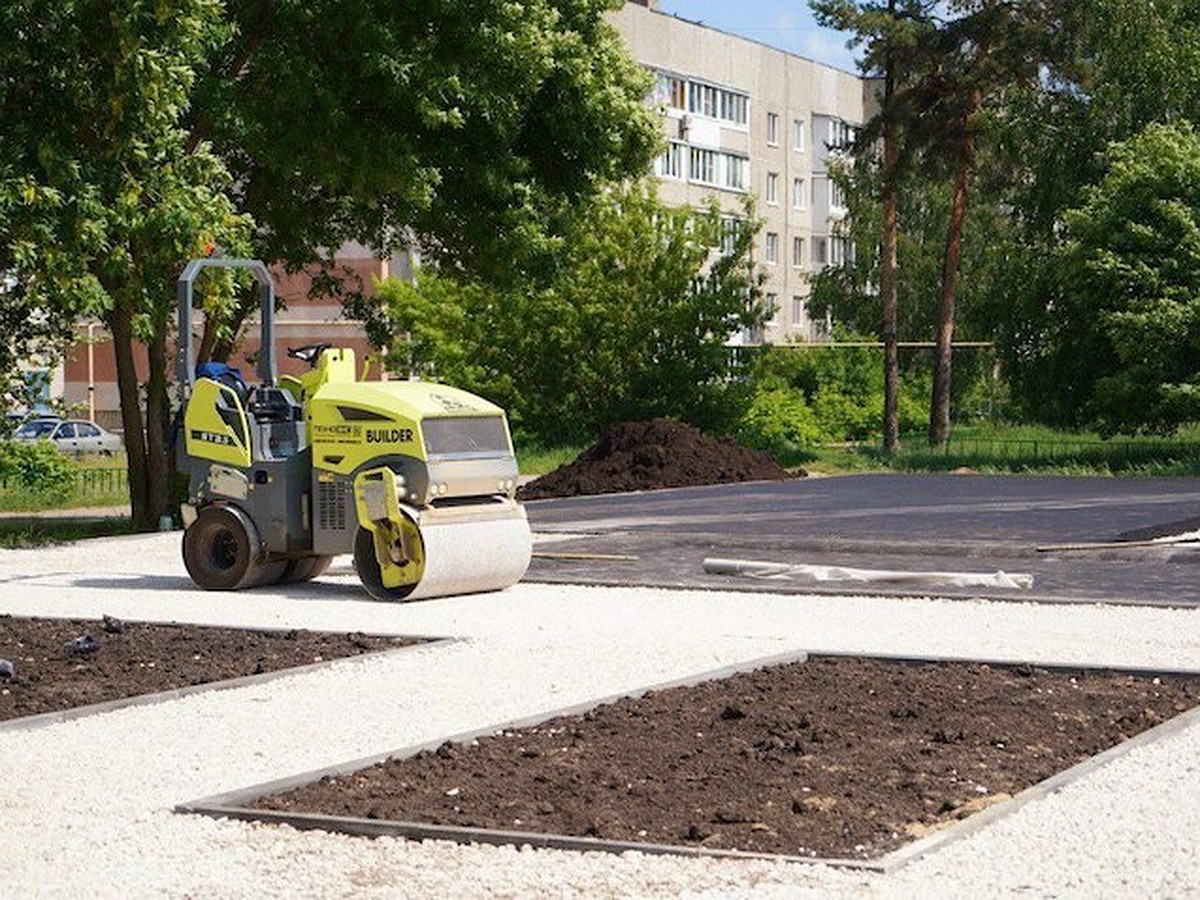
(85, 805)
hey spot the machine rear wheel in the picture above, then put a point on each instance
(305, 569)
(367, 567)
(218, 552)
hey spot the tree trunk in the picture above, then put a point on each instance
(120, 326)
(887, 274)
(939, 407)
(158, 412)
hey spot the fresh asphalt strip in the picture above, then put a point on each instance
(236, 804)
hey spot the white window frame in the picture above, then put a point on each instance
(772, 129)
(718, 103)
(772, 188)
(799, 309)
(670, 163)
(798, 260)
(837, 197)
(703, 166)
(798, 129)
(669, 88)
(771, 248)
(799, 193)
(734, 171)
(771, 309)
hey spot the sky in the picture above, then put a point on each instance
(785, 24)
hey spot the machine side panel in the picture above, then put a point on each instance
(215, 426)
(278, 501)
(334, 521)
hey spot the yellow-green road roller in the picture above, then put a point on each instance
(416, 479)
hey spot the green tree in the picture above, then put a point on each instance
(1123, 343)
(135, 133)
(110, 200)
(632, 323)
(888, 32)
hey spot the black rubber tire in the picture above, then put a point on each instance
(367, 567)
(304, 569)
(217, 551)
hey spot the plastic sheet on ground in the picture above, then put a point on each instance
(759, 569)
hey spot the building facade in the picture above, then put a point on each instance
(741, 118)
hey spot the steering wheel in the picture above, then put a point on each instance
(309, 353)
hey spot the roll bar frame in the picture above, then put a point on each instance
(185, 370)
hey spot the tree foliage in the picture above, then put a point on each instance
(1121, 338)
(135, 133)
(632, 323)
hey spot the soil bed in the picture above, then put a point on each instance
(49, 675)
(643, 456)
(834, 758)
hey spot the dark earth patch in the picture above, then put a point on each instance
(52, 672)
(642, 456)
(835, 758)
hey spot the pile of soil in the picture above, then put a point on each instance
(53, 669)
(836, 757)
(660, 453)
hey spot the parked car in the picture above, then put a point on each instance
(70, 435)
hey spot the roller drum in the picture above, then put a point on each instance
(471, 556)
(461, 550)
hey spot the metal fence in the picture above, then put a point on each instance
(101, 482)
(1060, 450)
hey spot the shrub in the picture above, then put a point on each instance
(779, 422)
(36, 468)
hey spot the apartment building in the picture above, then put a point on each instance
(743, 118)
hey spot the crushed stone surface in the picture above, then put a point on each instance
(85, 805)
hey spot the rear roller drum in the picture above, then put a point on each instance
(219, 551)
(305, 569)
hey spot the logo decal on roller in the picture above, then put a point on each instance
(211, 437)
(389, 435)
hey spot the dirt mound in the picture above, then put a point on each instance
(642, 456)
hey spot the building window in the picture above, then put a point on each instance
(798, 135)
(733, 107)
(841, 134)
(772, 248)
(837, 197)
(716, 103)
(798, 311)
(702, 166)
(717, 169)
(799, 194)
(841, 251)
(773, 188)
(820, 251)
(730, 228)
(735, 171)
(771, 309)
(797, 253)
(772, 129)
(670, 164)
(670, 91)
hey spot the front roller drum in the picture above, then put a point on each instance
(367, 547)
(457, 554)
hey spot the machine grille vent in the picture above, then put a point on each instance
(331, 506)
(466, 436)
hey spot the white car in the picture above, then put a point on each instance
(70, 435)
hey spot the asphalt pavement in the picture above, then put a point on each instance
(908, 523)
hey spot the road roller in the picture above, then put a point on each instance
(416, 479)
